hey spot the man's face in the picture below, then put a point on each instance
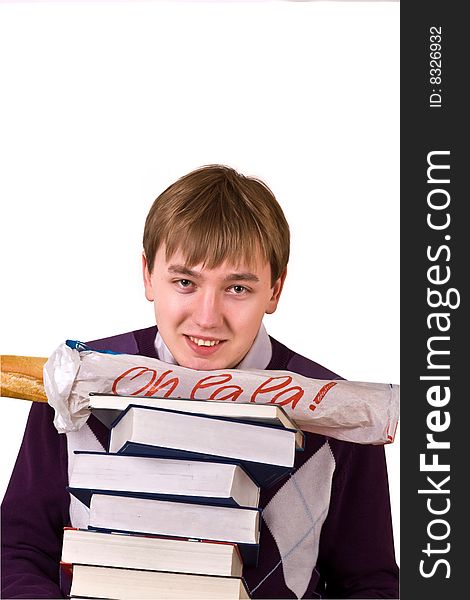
(209, 318)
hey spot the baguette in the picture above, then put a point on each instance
(22, 377)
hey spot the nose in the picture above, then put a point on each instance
(207, 313)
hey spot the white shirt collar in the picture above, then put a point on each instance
(258, 357)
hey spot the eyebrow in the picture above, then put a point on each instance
(183, 270)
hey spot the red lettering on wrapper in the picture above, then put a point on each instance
(142, 371)
(274, 390)
(160, 384)
(321, 394)
(296, 394)
(283, 381)
(216, 380)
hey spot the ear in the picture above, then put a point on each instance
(276, 293)
(147, 279)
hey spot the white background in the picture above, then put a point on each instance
(103, 105)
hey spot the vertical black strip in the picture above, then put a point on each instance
(434, 293)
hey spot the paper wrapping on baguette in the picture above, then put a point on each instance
(22, 377)
(361, 412)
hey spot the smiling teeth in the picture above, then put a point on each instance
(200, 342)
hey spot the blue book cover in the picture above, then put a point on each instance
(264, 474)
(248, 552)
(84, 494)
(137, 516)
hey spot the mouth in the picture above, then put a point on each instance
(204, 346)
(203, 341)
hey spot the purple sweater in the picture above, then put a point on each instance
(352, 541)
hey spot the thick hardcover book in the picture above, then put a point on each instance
(108, 407)
(264, 475)
(109, 582)
(155, 553)
(166, 478)
(178, 519)
(267, 452)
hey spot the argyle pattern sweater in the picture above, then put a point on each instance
(326, 529)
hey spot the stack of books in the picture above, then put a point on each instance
(174, 503)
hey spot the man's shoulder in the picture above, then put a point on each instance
(140, 341)
(283, 358)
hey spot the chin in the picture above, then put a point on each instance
(201, 364)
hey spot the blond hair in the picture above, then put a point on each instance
(214, 214)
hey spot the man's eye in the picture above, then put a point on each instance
(184, 283)
(239, 289)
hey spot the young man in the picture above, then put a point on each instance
(216, 247)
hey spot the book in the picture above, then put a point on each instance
(178, 519)
(167, 478)
(110, 549)
(267, 452)
(108, 407)
(109, 582)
